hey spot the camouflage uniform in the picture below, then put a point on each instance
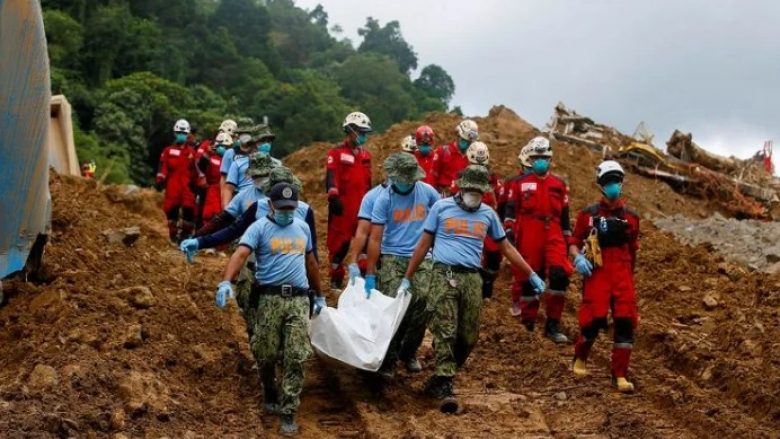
(410, 333)
(281, 334)
(455, 319)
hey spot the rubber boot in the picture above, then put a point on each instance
(288, 426)
(270, 392)
(580, 368)
(553, 332)
(441, 388)
(620, 359)
(413, 365)
(623, 385)
(487, 289)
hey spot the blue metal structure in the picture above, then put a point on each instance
(25, 202)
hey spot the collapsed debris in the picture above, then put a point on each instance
(743, 188)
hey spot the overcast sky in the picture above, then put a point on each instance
(711, 67)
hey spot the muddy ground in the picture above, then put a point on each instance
(126, 342)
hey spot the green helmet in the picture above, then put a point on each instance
(281, 174)
(260, 165)
(474, 177)
(262, 133)
(403, 167)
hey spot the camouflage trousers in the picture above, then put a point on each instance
(246, 277)
(411, 332)
(456, 299)
(281, 335)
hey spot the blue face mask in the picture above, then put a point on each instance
(180, 138)
(612, 190)
(463, 145)
(220, 151)
(284, 217)
(361, 139)
(425, 149)
(541, 166)
(265, 148)
(403, 188)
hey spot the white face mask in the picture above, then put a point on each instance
(472, 199)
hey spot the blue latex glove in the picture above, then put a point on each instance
(354, 272)
(189, 247)
(404, 287)
(583, 265)
(319, 304)
(224, 292)
(370, 284)
(537, 283)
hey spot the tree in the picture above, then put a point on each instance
(388, 41)
(436, 82)
(65, 37)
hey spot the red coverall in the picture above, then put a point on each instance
(426, 162)
(177, 170)
(447, 162)
(611, 286)
(502, 198)
(347, 179)
(209, 163)
(538, 208)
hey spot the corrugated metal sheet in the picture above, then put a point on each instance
(25, 203)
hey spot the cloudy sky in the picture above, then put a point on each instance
(711, 67)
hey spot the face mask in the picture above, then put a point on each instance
(284, 217)
(425, 149)
(541, 166)
(361, 139)
(403, 188)
(472, 199)
(220, 151)
(265, 148)
(612, 190)
(463, 144)
(180, 138)
(260, 182)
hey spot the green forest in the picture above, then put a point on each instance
(131, 68)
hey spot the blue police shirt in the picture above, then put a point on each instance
(367, 203)
(280, 252)
(403, 217)
(244, 199)
(237, 173)
(459, 235)
(227, 160)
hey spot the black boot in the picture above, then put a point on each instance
(552, 330)
(270, 392)
(487, 289)
(441, 388)
(288, 426)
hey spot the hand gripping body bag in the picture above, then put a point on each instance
(359, 331)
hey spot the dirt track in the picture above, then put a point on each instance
(86, 355)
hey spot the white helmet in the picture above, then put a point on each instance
(357, 121)
(181, 126)
(607, 168)
(478, 154)
(539, 147)
(525, 157)
(228, 126)
(223, 139)
(468, 130)
(408, 144)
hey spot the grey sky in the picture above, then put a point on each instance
(711, 67)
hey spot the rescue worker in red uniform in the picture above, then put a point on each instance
(347, 179)
(478, 154)
(208, 162)
(177, 173)
(538, 206)
(450, 159)
(424, 138)
(524, 160)
(610, 285)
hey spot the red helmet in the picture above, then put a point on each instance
(424, 135)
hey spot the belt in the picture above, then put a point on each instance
(455, 268)
(274, 290)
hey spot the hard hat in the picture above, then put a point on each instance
(408, 144)
(424, 135)
(181, 126)
(228, 126)
(525, 156)
(223, 139)
(609, 168)
(539, 147)
(468, 130)
(478, 154)
(358, 122)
